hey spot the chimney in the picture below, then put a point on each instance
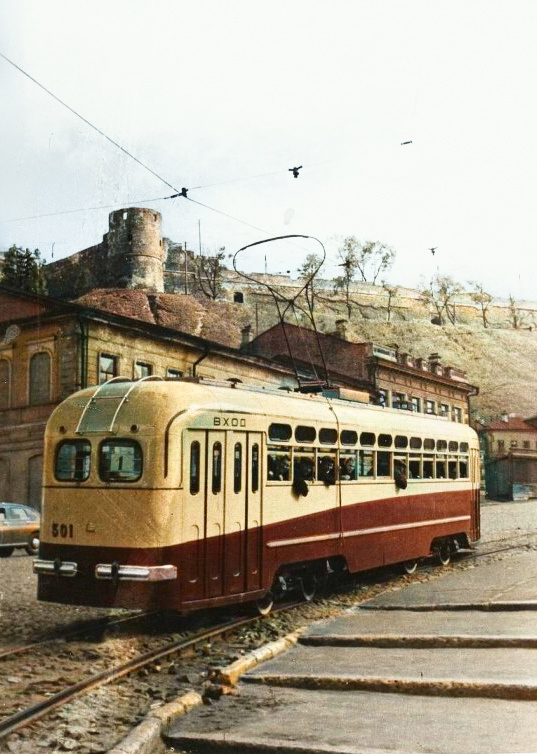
(246, 339)
(341, 329)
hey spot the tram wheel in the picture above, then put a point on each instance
(410, 566)
(308, 586)
(443, 553)
(264, 604)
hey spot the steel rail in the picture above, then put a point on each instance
(35, 712)
(99, 624)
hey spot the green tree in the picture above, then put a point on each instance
(370, 258)
(24, 270)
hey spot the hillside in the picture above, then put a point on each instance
(500, 360)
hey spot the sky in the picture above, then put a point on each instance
(222, 98)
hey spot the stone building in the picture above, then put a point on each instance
(509, 446)
(50, 348)
(390, 378)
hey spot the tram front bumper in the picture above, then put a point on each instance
(107, 571)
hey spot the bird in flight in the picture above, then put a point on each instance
(405, 142)
(433, 249)
(294, 171)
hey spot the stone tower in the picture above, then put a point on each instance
(135, 247)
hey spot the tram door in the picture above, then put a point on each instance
(221, 513)
(242, 517)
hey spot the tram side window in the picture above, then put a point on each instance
(348, 468)
(237, 468)
(414, 466)
(383, 463)
(366, 463)
(120, 461)
(463, 468)
(304, 466)
(216, 475)
(428, 467)
(440, 468)
(326, 467)
(194, 468)
(73, 461)
(452, 469)
(255, 467)
(278, 464)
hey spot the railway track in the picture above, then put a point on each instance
(32, 713)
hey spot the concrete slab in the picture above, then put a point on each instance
(290, 721)
(509, 584)
(472, 672)
(468, 628)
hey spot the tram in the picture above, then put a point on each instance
(185, 494)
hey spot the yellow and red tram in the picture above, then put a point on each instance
(183, 494)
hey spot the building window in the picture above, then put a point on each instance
(526, 444)
(107, 367)
(501, 446)
(238, 297)
(173, 374)
(416, 403)
(384, 397)
(430, 407)
(457, 414)
(5, 383)
(40, 378)
(513, 444)
(142, 370)
(399, 400)
(444, 409)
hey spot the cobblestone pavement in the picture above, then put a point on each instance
(96, 722)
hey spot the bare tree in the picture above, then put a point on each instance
(480, 296)
(209, 273)
(516, 317)
(439, 294)
(349, 263)
(371, 258)
(391, 293)
(307, 270)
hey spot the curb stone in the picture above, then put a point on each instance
(146, 738)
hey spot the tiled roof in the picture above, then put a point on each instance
(513, 424)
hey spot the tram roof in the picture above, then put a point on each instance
(118, 404)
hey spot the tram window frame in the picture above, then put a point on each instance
(78, 461)
(300, 457)
(463, 447)
(276, 454)
(366, 464)
(348, 437)
(216, 468)
(278, 432)
(401, 442)
(428, 466)
(415, 472)
(415, 443)
(328, 436)
(118, 475)
(368, 439)
(348, 466)
(441, 467)
(326, 466)
(195, 468)
(254, 470)
(441, 446)
(453, 446)
(452, 468)
(429, 444)
(385, 440)
(383, 464)
(237, 468)
(464, 468)
(305, 433)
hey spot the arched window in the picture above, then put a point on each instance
(5, 383)
(40, 378)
